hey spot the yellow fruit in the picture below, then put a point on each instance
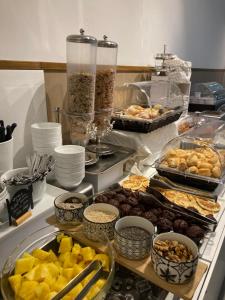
(42, 290)
(88, 277)
(88, 253)
(104, 260)
(24, 265)
(60, 283)
(67, 297)
(100, 283)
(53, 269)
(68, 273)
(69, 261)
(27, 290)
(15, 282)
(59, 237)
(93, 292)
(31, 275)
(51, 295)
(64, 256)
(77, 269)
(76, 290)
(41, 254)
(66, 244)
(76, 249)
(52, 256)
(50, 281)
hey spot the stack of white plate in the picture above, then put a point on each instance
(46, 137)
(69, 165)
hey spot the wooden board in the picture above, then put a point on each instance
(144, 267)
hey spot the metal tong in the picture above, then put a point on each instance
(160, 181)
(95, 265)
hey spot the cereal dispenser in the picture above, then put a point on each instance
(81, 74)
(105, 79)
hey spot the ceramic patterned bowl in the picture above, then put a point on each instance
(174, 272)
(133, 247)
(100, 218)
(69, 208)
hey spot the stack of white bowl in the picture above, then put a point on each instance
(46, 137)
(69, 165)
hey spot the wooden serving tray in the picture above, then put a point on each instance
(143, 268)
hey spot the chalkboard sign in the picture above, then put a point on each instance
(20, 203)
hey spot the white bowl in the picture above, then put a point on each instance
(69, 165)
(69, 177)
(69, 184)
(174, 272)
(69, 151)
(45, 141)
(46, 126)
(70, 171)
(39, 187)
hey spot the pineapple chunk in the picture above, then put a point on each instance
(50, 281)
(104, 260)
(93, 292)
(24, 265)
(66, 244)
(88, 253)
(101, 282)
(27, 290)
(15, 282)
(53, 269)
(88, 277)
(76, 290)
(42, 290)
(59, 237)
(63, 256)
(76, 249)
(68, 273)
(51, 295)
(26, 254)
(60, 283)
(69, 261)
(77, 269)
(52, 256)
(41, 254)
(42, 272)
(31, 275)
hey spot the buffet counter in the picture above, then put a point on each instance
(209, 286)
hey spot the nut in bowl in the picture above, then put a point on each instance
(100, 218)
(133, 237)
(69, 208)
(174, 257)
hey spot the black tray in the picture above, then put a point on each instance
(145, 126)
(197, 182)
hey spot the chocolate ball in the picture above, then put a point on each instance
(125, 208)
(101, 199)
(195, 232)
(114, 202)
(135, 211)
(157, 211)
(164, 225)
(180, 225)
(132, 201)
(168, 215)
(150, 216)
(121, 198)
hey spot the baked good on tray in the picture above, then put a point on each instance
(202, 161)
(203, 206)
(136, 183)
(149, 113)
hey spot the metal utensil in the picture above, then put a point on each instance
(92, 266)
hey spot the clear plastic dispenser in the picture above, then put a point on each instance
(105, 81)
(81, 75)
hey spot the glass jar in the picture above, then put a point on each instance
(81, 73)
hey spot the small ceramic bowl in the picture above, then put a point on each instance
(134, 248)
(69, 208)
(93, 229)
(174, 272)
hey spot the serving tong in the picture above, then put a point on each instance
(38, 165)
(160, 181)
(95, 265)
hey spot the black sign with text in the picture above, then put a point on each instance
(20, 203)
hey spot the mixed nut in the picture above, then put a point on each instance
(173, 251)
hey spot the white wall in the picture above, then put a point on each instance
(194, 29)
